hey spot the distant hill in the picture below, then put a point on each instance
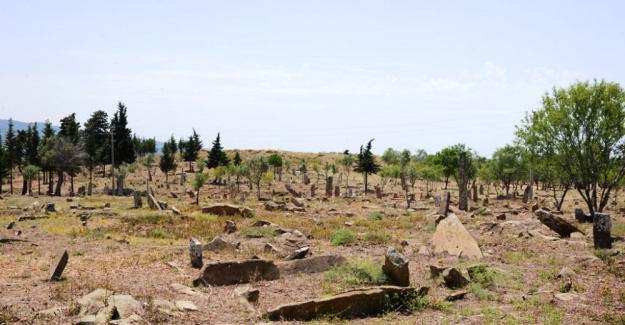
(19, 125)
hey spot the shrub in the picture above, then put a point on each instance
(342, 237)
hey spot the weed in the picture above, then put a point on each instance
(258, 232)
(353, 274)
(376, 215)
(375, 238)
(342, 237)
(552, 315)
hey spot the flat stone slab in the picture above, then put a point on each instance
(355, 303)
(315, 264)
(184, 289)
(227, 273)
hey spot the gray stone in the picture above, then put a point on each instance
(50, 207)
(298, 202)
(299, 254)
(219, 244)
(555, 223)
(424, 251)
(457, 295)
(186, 305)
(451, 237)
(329, 186)
(444, 206)
(59, 266)
(315, 264)
(360, 302)
(227, 273)
(566, 272)
(272, 249)
(601, 231)
(581, 217)
(463, 180)
(454, 279)
(137, 199)
(185, 290)
(436, 271)
(195, 253)
(396, 267)
(229, 210)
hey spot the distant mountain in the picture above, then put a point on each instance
(19, 125)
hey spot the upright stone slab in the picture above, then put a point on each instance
(396, 267)
(581, 217)
(306, 179)
(463, 180)
(474, 193)
(378, 192)
(312, 190)
(57, 270)
(337, 191)
(481, 189)
(444, 206)
(138, 200)
(437, 201)
(526, 194)
(329, 186)
(601, 230)
(350, 192)
(195, 252)
(451, 237)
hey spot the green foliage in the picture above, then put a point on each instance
(237, 159)
(365, 163)
(192, 148)
(168, 160)
(581, 129)
(376, 238)
(255, 169)
(346, 162)
(216, 156)
(258, 232)
(342, 237)
(353, 274)
(123, 144)
(507, 165)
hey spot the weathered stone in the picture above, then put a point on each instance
(173, 195)
(50, 207)
(358, 302)
(126, 305)
(195, 252)
(485, 202)
(451, 237)
(474, 188)
(337, 191)
(292, 191)
(424, 251)
(273, 206)
(227, 273)
(91, 303)
(271, 249)
(329, 186)
(261, 223)
(186, 305)
(11, 225)
(299, 254)
(454, 279)
(566, 272)
(175, 210)
(185, 290)
(437, 201)
(230, 227)
(228, 210)
(58, 267)
(601, 230)
(137, 199)
(566, 296)
(396, 267)
(219, 244)
(298, 202)
(457, 295)
(247, 292)
(312, 190)
(463, 180)
(534, 207)
(378, 192)
(436, 271)
(501, 217)
(581, 217)
(555, 223)
(444, 206)
(315, 264)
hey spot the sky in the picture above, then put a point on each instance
(308, 76)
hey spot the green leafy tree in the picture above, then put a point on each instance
(62, 156)
(412, 174)
(123, 145)
(449, 161)
(237, 159)
(198, 182)
(168, 160)
(95, 138)
(390, 157)
(192, 149)
(347, 164)
(70, 128)
(48, 136)
(365, 163)
(582, 129)
(30, 172)
(217, 156)
(507, 165)
(255, 169)
(275, 161)
(147, 161)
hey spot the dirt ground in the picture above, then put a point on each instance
(127, 250)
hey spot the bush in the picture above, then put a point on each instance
(373, 238)
(342, 237)
(353, 274)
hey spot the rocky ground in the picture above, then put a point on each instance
(132, 265)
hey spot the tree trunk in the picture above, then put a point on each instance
(90, 186)
(50, 183)
(59, 183)
(71, 187)
(366, 183)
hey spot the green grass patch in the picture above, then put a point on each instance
(343, 237)
(351, 275)
(376, 238)
(258, 232)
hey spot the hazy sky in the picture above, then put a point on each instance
(320, 76)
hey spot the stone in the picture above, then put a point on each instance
(173, 195)
(485, 202)
(581, 217)
(329, 186)
(315, 264)
(261, 223)
(356, 303)
(228, 273)
(185, 290)
(474, 188)
(219, 244)
(534, 207)
(11, 225)
(59, 267)
(294, 193)
(436, 271)
(463, 180)
(92, 302)
(230, 227)
(312, 190)
(271, 249)
(195, 252)
(501, 217)
(246, 296)
(601, 231)
(228, 210)
(137, 199)
(50, 207)
(273, 206)
(454, 279)
(175, 210)
(186, 305)
(396, 267)
(566, 296)
(566, 272)
(437, 201)
(457, 295)
(337, 191)
(444, 206)
(424, 251)
(298, 202)
(126, 305)
(451, 237)
(555, 223)
(299, 254)
(378, 192)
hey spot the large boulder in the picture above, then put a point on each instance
(451, 237)
(227, 273)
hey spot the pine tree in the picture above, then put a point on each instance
(168, 160)
(124, 146)
(365, 163)
(217, 157)
(237, 159)
(3, 164)
(192, 149)
(12, 155)
(70, 128)
(95, 138)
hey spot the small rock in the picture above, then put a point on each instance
(186, 305)
(11, 225)
(184, 289)
(566, 272)
(423, 250)
(299, 254)
(566, 296)
(458, 295)
(230, 227)
(501, 217)
(454, 279)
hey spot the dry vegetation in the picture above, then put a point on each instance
(126, 250)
